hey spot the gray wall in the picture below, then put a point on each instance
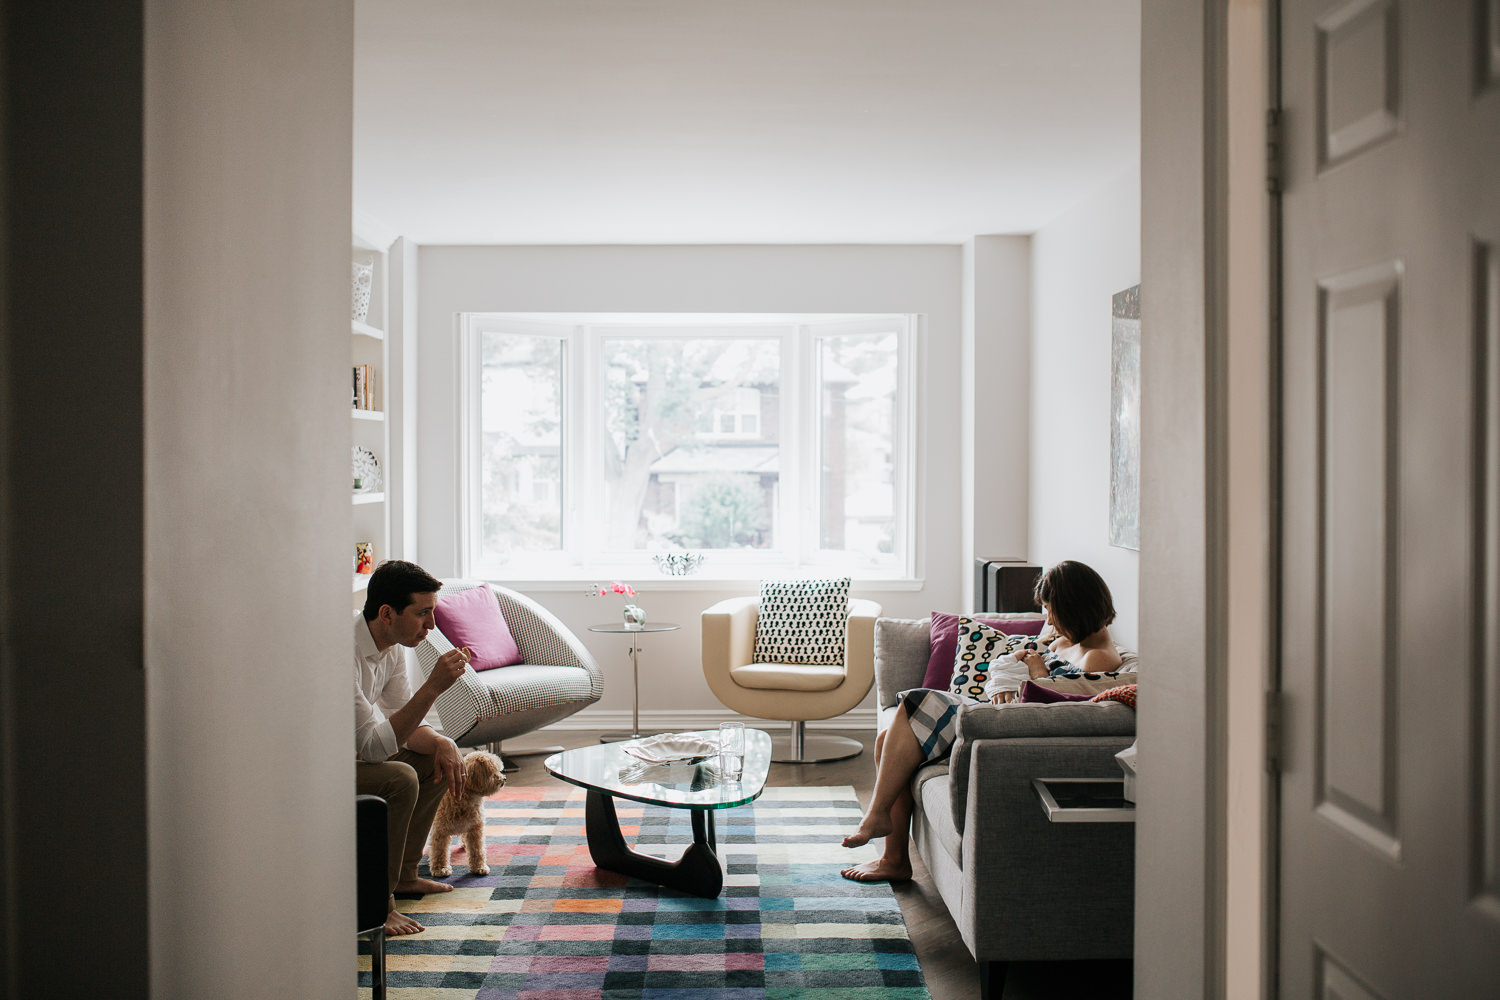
(907, 279)
(174, 512)
(1079, 261)
(249, 110)
(1178, 928)
(72, 689)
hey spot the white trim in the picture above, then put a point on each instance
(797, 522)
(685, 720)
(370, 230)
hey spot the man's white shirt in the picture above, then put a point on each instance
(380, 688)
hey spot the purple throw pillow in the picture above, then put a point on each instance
(943, 643)
(472, 618)
(1037, 694)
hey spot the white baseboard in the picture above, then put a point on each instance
(682, 720)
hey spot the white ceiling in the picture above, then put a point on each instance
(738, 121)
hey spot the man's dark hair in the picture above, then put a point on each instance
(1078, 597)
(396, 582)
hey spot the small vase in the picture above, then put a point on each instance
(635, 616)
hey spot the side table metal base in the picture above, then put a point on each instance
(621, 737)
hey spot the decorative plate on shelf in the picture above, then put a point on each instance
(366, 471)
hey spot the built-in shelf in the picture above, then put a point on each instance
(366, 330)
(358, 414)
(360, 498)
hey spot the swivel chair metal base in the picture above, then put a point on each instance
(796, 747)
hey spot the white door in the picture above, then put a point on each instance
(1390, 811)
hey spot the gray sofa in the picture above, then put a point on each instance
(1020, 888)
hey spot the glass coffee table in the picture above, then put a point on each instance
(608, 773)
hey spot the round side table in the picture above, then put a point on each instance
(634, 631)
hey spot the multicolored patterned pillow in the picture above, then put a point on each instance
(802, 621)
(979, 645)
(1125, 693)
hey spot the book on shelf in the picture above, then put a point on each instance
(364, 387)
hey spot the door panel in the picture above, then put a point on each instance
(1390, 797)
(1356, 740)
(1486, 741)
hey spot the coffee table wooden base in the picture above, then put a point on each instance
(698, 871)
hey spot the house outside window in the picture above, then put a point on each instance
(593, 442)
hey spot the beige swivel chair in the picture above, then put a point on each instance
(789, 692)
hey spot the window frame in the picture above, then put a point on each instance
(584, 554)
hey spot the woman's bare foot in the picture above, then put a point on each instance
(399, 923)
(869, 828)
(420, 884)
(879, 870)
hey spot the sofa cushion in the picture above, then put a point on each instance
(943, 641)
(901, 650)
(929, 789)
(472, 618)
(802, 621)
(788, 677)
(1084, 684)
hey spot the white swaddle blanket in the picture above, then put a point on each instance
(1005, 674)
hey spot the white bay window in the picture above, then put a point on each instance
(773, 444)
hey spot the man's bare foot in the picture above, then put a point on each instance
(879, 870)
(399, 923)
(869, 828)
(420, 884)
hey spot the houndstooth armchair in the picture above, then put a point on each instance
(557, 677)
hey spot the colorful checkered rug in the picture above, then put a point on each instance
(545, 924)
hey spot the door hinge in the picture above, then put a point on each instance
(1274, 725)
(1273, 150)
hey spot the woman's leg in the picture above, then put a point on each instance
(894, 863)
(897, 757)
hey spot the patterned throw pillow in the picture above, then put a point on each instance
(1124, 693)
(1089, 684)
(802, 621)
(979, 645)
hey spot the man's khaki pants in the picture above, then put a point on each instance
(411, 800)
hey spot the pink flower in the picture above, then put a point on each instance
(616, 587)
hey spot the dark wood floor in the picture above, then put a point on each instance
(950, 971)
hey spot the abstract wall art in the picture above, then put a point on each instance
(1125, 420)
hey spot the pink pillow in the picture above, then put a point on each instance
(472, 618)
(944, 643)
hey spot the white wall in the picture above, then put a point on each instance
(905, 279)
(996, 400)
(1079, 261)
(250, 774)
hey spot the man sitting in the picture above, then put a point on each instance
(397, 757)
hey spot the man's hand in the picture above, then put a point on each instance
(448, 669)
(448, 764)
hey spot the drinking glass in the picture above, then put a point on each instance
(731, 749)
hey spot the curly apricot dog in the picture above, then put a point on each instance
(464, 815)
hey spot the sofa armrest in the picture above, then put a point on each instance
(728, 637)
(859, 643)
(902, 647)
(1029, 884)
(1101, 725)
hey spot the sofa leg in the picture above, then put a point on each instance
(991, 980)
